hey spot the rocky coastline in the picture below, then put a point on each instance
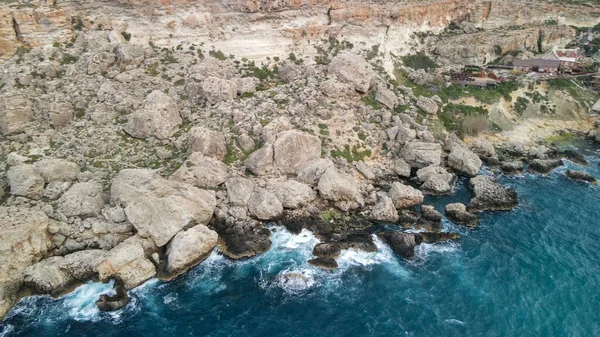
(125, 162)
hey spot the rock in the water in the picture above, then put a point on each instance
(217, 90)
(292, 149)
(512, 167)
(544, 166)
(188, 248)
(430, 214)
(401, 243)
(428, 105)
(575, 157)
(458, 214)
(464, 161)
(405, 196)
(419, 154)
(201, 171)
(82, 200)
(293, 194)
(158, 118)
(56, 274)
(240, 240)
(209, 143)
(159, 208)
(57, 170)
(385, 211)
(327, 250)
(239, 190)
(581, 176)
(115, 302)
(311, 172)
(126, 262)
(324, 262)
(264, 205)
(352, 69)
(483, 148)
(339, 186)
(491, 196)
(25, 181)
(433, 237)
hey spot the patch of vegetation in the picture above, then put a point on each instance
(331, 214)
(126, 35)
(351, 154)
(292, 57)
(485, 95)
(563, 137)
(362, 136)
(369, 100)
(79, 113)
(231, 155)
(219, 55)
(263, 73)
(373, 52)
(152, 69)
(68, 59)
(264, 122)
(78, 24)
(572, 88)
(21, 51)
(459, 118)
(521, 105)
(179, 82)
(323, 129)
(419, 61)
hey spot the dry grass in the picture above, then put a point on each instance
(475, 125)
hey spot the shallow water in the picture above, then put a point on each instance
(530, 272)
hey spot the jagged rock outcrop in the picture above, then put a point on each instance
(208, 142)
(15, 112)
(352, 69)
(201, 171)
(159, 208)
(436, 180)
(158, 118)
(25, 181)
(82, 200)
(339, 187)
(420, 154)
(52, 169)
(311, 172)
(264, 205)
(188, 248)
(464, 161)
(218, 90)
(239, 190)
(385, 211)
(544, 166)
(405, 196)
(581, 176)
(458, 213)
(490, 195)
(293, 194)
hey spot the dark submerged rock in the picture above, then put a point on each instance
(581, 176)
(238, 240)
(458, 214)
(512, 167)
(401, 243)
(324, 262)
(575, 157)
(115, 302)
(491, 196)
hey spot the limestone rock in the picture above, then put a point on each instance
(188, 248)
(365, 170)
(261, 161)
(217, 90)
(159, 208)
(436, 180)
(419, 154)
(60, 114)
(427, 104)
(292, 148)
(386, 97)
(293, 194)
(458, 213)
(465, 161)
(25, 181)
(82, 200)
(483, 148)
(239, 190)
(385, 211)
(52, 169)
(544, 166)
(512, 167)
(580, 176)
(337, 186)
(402, 168)
(401, 243)
(158, 118)
(55, 189)
(15, 112)
(128, 263)
(405, 196)
(490, 195)
(352, 69)
(405, 135)
(333, 88)
(130, 56)
(264, 205)
(311, 172)
(208, 142)
(201, 171)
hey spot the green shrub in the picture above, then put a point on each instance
(219, 55)
(126, 35)
(179, 82)
(521, 105)
(68, 59)
(419, 61)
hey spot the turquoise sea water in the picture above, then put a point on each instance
(534, 271)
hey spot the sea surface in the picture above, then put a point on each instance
(534, 271)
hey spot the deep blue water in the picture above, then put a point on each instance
(534, 271)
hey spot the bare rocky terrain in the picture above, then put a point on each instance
(137, 137)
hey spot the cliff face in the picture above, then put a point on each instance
(259, 28)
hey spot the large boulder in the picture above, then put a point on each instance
(82, 200)
(128, 263)
(436, 180)
(158, 118)
(25, 181)
(490, 195)
(217, 90)
(338, 186)
(130, 56)
(56, 274)
(159, 208)
(15, 112)
(419, 154)
(60, 114)
(401, 243)
(544, 166)
(53, 169)
(483, 148)
(464, 161)
(261, 161)
(581, 176)
(458, 213)
(188, 248)
(239, 190)
(404, 196)
(201, 171)
(293, 194)
(208, 142)
(386, 97)
(292, 148)
(385, 211)
(24, 240)
(352, 69)
(428, 105)
(264, 205)
(311, 172)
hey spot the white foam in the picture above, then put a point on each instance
(7, 329)
(454, 321)
(423, 250)
(295, 281)
(81, 303)
(351, 257)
